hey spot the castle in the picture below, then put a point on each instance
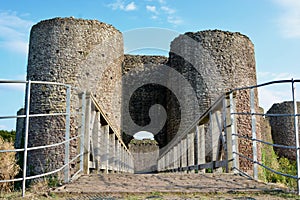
(162, 95)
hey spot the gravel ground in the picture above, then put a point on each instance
(169, 186)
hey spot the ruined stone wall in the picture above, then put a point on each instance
(160, 95)
(145, 153)
(143, 85)
(282, 128)
(201, 66)
(86, 54)
(214, 62)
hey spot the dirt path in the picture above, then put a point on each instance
(205, 185)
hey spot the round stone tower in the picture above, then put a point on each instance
(213, 62)
(86, 54)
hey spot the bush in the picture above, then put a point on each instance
(283, 165)
(8, 136)
(288, 167)
(8, 165)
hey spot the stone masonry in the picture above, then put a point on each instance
(214, 62)
(145, 153)
(88, 55)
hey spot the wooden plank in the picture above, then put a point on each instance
(201, 147)
(91, 139)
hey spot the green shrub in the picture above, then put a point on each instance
(283, 165)
(8, 136)
(288, 167)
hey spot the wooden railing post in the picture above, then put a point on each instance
(228, 133)
(201, 146)
(87, 134)
(190, 149)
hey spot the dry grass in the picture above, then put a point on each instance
(8, 165)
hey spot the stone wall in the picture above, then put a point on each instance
(145, 153)
(282, 128)
(86, 54)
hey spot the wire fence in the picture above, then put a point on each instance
(29, 114)
(182, 149)
(256, 142)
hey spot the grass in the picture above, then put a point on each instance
(8, 165)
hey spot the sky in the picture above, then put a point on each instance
(272, 25)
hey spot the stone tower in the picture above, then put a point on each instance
(282, 128)
(86, 54)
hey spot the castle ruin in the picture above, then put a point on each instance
(89, 55)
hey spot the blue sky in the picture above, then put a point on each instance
(272, 25)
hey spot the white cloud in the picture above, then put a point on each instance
(130, 7)
(121, 5)
(168, 10)
(171, 17)
(154, 17)
(275, 93)
(267, 96)
(162, 1)
(175, 20)
(271, 76)
(289, 21)
(151, 9)
(14, 32)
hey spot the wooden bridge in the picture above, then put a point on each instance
(187, 152)
(190, 162)
(203, 158)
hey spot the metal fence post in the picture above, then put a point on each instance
(83, 104)
(296, 128)
(253, 128)
(28, 88)
(233, 133)
(67, 134)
